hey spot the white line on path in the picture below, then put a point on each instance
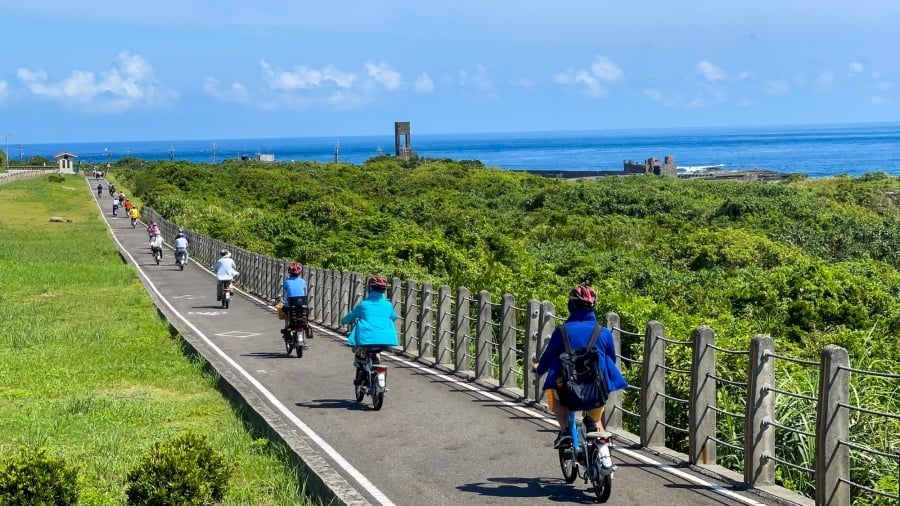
(369, 486)
(348, 468)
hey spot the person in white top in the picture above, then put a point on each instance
(225, 270)
(181, 245)
(156, 244)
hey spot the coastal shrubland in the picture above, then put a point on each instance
(809, 261)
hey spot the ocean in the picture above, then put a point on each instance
(817, 150)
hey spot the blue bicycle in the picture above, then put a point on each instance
(587, 456)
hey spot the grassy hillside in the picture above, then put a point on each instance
(89, 371)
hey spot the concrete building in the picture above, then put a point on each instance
(65, 162)
(652, 166)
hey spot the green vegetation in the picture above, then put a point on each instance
(810, 262)
(88, 371)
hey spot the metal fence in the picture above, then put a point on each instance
(495, 342)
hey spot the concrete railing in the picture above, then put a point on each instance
(17, 174)
(495, 342)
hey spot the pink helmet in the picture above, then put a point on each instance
(584, 295)
(295, 269)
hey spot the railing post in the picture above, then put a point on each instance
(759, 436)
(532, 349)
(547, 324)
(462, 332)
(702, 417)
(327, 297)
(653, 386)
(344, 301)
(426, 322)
(410, 315)
(832, 427)
(442, 338)
(508, 347)
(612, 415)
(396, 286)
(484, 336)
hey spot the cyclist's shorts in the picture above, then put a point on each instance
(553, 396)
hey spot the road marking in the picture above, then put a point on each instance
(188, 297)
(207, 313)
(238, 334)
(339, 459)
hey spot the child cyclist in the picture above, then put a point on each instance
(579, 327)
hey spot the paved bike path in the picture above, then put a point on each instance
(438, 439)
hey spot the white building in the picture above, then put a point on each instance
(65, 161)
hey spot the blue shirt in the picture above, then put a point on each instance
(374, 317)
(294, 286)
(579, 326)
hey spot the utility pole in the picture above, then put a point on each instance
(6, 137)
(337, 151)
(171, 153)
(214, 147)
(21, 152)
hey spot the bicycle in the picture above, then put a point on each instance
(371, 376)
(587, 456)
(298, 330)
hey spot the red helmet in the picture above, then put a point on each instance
(377, 282)
(583, 294)
(295, 269)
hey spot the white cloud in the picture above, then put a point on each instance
(423, 84)
(237, 92)
(711, 72)
(523, 83)
(601, 69)
(4, 90)
(743, 76)
(478, 79)
(877, 100)
(129, 85)
(384, 75)
(856, 67)
(606, 69)
(305, 77)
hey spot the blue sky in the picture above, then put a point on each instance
(103, 70)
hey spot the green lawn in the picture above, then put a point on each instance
(87, 368)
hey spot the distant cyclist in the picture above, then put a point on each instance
(579, 326)
(374, 327)
(99, 190)
(181, 247)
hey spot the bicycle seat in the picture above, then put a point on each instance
(600, 435)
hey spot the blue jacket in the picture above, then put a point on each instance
(294, 286)
(374, 317)
(580, 326)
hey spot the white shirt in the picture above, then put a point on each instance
(156, 242)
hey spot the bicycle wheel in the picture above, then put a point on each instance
(360, 393)
(601, 483)
(567, 464)
(299, 340)
(288, 344)
(377, 400)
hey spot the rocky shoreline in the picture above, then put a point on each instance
(713, 174)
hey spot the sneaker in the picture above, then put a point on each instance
(589, 425)
(562, 439)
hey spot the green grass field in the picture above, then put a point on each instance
(89, 371)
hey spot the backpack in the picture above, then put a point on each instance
(584, 384)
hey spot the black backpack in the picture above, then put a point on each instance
(584, 382)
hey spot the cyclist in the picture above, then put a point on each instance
(225, 270)
(180, 244)
(134, 214)
(156, 244)
(152, 229)
(294, 291)
(374, 327)
(99, 190)
(115, 207)
(127, 205)
(579, 327)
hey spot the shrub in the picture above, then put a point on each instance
(33, 477)
(56, 178)
(183, 470)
